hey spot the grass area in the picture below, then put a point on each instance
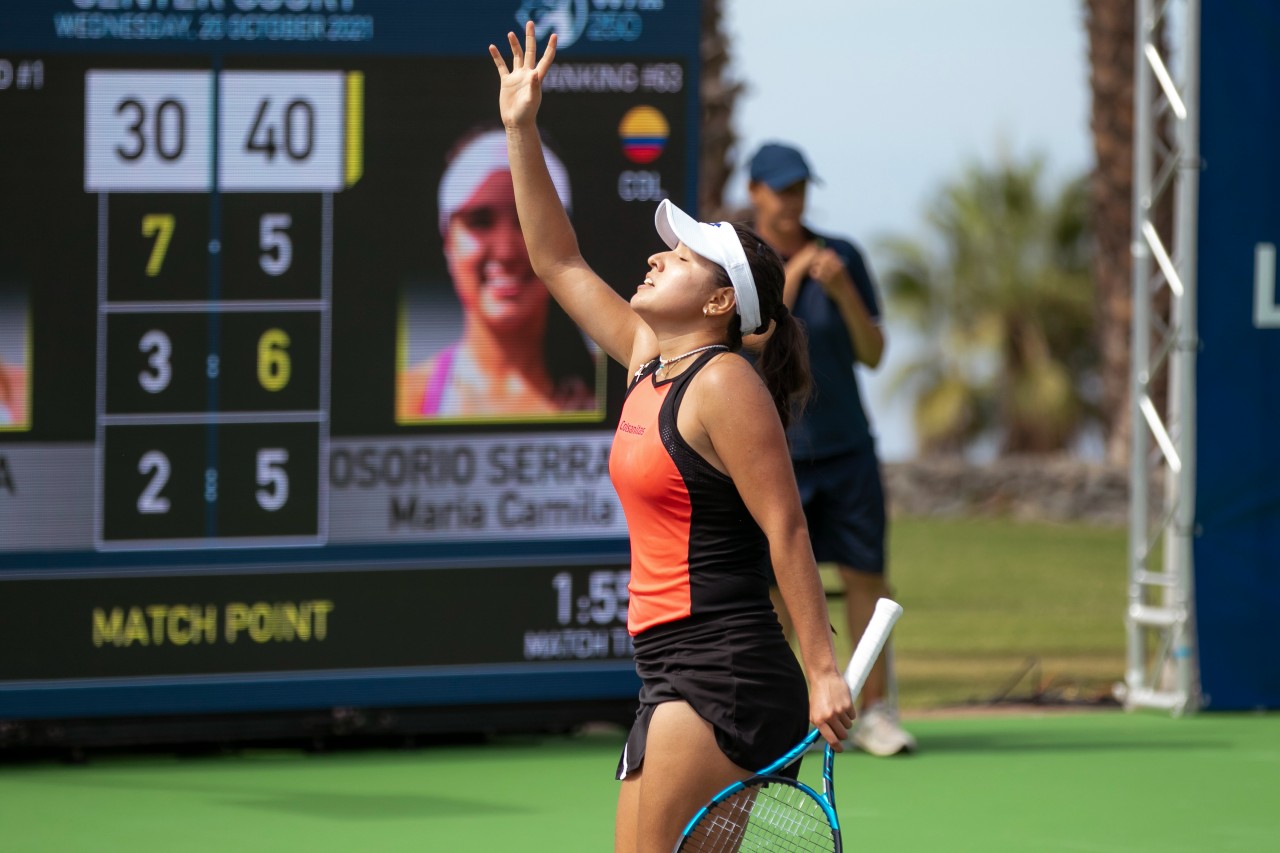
(984, 599)
(1104, 782)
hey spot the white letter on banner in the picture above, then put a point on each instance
(1266, 314)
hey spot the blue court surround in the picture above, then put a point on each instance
(1237, 542)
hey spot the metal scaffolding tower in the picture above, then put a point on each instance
(1162, 667)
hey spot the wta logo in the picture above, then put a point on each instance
(644, 132)
(566, 18)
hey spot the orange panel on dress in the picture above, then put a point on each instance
(656, 502)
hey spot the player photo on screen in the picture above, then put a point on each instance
(491, 344)
(15, 402)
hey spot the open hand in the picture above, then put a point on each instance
(521, 91)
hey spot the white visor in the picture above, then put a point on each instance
(483, 156)
(717, 242)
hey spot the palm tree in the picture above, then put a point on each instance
(1003, 296)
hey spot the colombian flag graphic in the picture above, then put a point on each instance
(644, 134)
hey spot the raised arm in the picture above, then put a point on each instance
(598, 310)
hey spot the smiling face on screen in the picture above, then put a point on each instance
(489, 263)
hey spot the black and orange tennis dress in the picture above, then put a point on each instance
(705, 630)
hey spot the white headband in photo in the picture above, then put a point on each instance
(481, 157)
(717, 242)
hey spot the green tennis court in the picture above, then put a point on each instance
(1092, 781)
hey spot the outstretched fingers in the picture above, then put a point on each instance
(517, 52)
(548, 56)
(527, 54)
(530, 45)
(499, 61)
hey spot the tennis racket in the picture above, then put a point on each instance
(771, 812)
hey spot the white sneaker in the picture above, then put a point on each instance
(878, 732)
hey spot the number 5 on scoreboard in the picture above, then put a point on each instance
(273, 479)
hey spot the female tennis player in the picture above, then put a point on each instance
(700, 464)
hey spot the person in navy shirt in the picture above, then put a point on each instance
(829, 288)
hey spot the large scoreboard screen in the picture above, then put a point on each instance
(286, 420)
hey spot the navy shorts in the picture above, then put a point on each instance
(737, 673)
(843, 500)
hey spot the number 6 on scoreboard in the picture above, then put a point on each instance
(274, 363)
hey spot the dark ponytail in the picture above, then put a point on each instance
(783, 362)
(784, 365)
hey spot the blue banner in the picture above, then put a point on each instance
(441, 28)
(1237, 547)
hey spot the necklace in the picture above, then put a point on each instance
(664, 363)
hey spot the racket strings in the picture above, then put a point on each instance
(774, 817)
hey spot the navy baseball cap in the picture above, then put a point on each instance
(779, 166)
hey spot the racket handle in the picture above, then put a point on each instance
(871, 644)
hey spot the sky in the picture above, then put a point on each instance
(890, 99)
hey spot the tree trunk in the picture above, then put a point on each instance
(1111, 33)
(1111, 25)
(718, 94)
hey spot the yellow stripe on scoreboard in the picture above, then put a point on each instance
(355, 127)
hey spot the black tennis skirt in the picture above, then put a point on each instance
(737, 672)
